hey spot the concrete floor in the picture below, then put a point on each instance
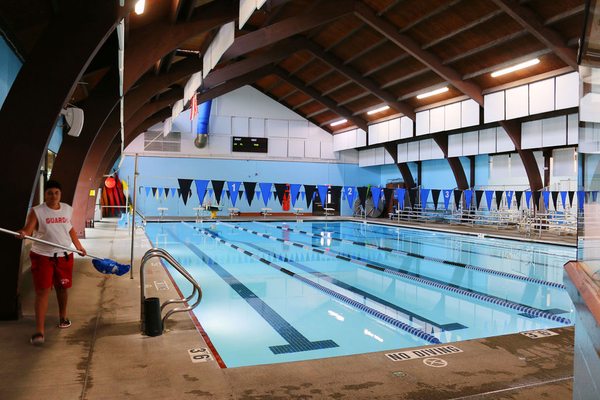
(104, 356)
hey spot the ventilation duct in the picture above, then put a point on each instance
(202, 126)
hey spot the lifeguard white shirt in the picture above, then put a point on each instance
(53, 226)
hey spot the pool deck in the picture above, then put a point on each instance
(104, 356)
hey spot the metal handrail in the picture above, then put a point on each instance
(163, 254)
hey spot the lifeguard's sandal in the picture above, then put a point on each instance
(64, 323)
(37, 339)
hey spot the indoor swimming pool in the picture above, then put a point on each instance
(286, 291)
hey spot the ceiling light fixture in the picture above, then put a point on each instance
(517, 67)
(433, 92)
(380, 109)
(139, 6)
(340, 122)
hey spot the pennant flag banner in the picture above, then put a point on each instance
(240, 193)
(201, 185)
(153, 192)
(400, 193)
(218, 188)
(478, 196)
(555, 200)
(447, 193)
(468, 198)
(362, 195)
(376, 192)
(310, 192)
(498, 198)
(580, 198)
(294, 191)
(350, 192)
(280, 191)
(250, 190)
(148, 189)
(265, 189)
(509, 197)
(424, 196)
(457, 194)
(184, 189)
(167, 190)
(173, 191)
(234, 188)
(571, 196)
(161, 192)
(536, 200)
(546, 195)
(489, 194)
(323, 194)
(435, 194)
(527, 197)
(563, 198)
(336, 194)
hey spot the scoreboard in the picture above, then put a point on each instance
(249, 144)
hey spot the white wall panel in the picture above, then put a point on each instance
(364, 158)
(412, 152)
(299, 129)
(531, 134)
(503, 141)
(379, 156)
(406, 128)
(554, 131)
(257, 127)
(277, 128)
(517, 102)
(436, 119)
(436, 151)
(394, 129)
(541, 96)
(493, 107)
(239, 126)
(312, 149)
(327, 151)
(339, 141)
(296, 148)
(470, 143)
(422, 123)
(220, 125)
(455, 145)
(469, 113)
(361, 138)
(487, 141)
(425, 149)
(452, 116)
(564, 162)
(567, 91)
(219, 144)
(499, 167)
(572, 129)
(402, 152)
(278, 147)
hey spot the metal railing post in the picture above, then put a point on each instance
(135, 175)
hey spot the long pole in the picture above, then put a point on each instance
(135, 175)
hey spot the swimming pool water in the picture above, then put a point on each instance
(287, 291)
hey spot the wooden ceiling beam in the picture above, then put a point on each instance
(564, 15)
(327, 102)
(386, 64)
(486, 46)
(429, 15)
(364, 51)
(530, 21)
(357, 78)
(409, 45)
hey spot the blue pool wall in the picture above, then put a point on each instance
(164, 172)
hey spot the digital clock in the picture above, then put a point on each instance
(249, 144)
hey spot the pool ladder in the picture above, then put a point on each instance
(154, 319)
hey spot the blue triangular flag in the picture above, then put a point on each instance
(323, 194)
(173, 190)
(265, 189)
(580, 198)
(161, 192)
(294, 190)
(489, 194)
(148, 190)
(447, 194)
(527, 198)
(201, 185)
(563, 197)
(376, 192)
(509, 196)
(234, 188)
(400, 194)
(468, 197)
(350, 192)
(546, 195)
(424, 196)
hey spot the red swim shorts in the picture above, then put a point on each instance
(47, 271)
